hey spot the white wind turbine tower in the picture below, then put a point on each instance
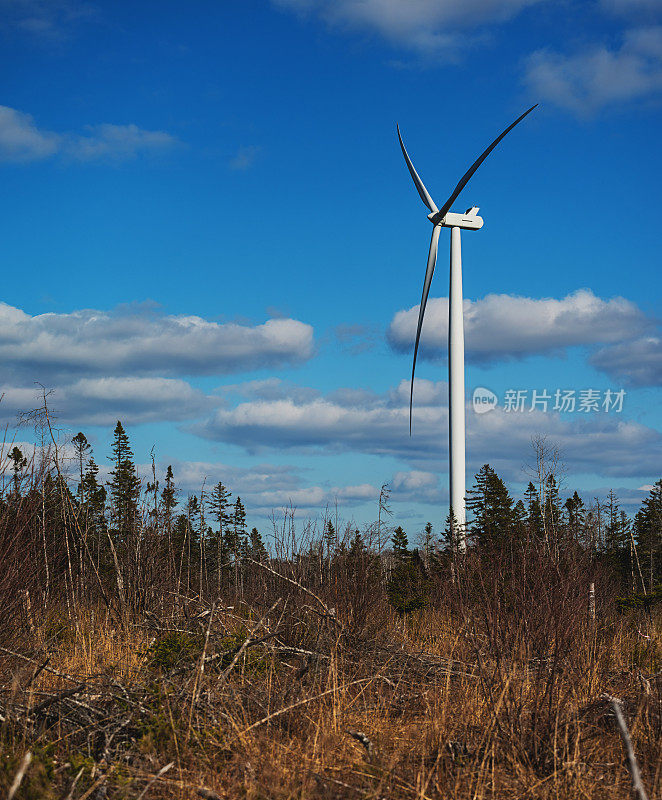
(444, 218)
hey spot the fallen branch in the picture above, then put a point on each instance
(247, 642)
(275, 714)
(56, 698)
(156, 777)
(294, 583)
(18, 779)
(637, 783)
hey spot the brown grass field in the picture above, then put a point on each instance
(498, 689)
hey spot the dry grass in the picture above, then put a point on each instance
(312, 708)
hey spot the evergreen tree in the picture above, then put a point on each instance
(169, 497)
(124, 486)
(330, 538)
(94, 498)
(519, 521)
(357, 547)
(427, 542)
(19, 463)
(81, 449)
(168, 501)
(648, 534)
(552, 510)
(258, 551)
(615, 544)
(400, 544)
(409, 587)
(449, 537)
(219, 502)
(492, 509)
(239, 522)
(575, 517)
(534, 521)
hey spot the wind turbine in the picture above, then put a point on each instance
(444, 218)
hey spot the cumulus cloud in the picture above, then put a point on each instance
(21, 140)
(502, 327)
(418, 486)
(102, 401)
(368, 423)
(429, 27)
(264, 488)
(591, 443)
(599, 76)
(50, 347)
(637, 363)
(379, 425)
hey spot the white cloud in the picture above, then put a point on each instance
(429, 27)
(631, 6)
(21, 140)
(51, 347)
(115, 143)
(102, 401)
(638, 363)
(598, 76)
(379, 425)
(245, 157)
(501, 327)
(50, 21)
(376, 424)
(263, 488)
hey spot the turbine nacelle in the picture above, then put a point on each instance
(443, 217)
(469, 221)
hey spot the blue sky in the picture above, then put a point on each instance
(209, 232)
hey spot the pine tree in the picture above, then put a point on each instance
(81, 449)
(450, 537)
(169, 498)
(400, 544)
(124, 486)
(534, 514)
(19, 463)
(258, 551)
(330, 538)
(648, 534)
(357, 547)
(168, 505)
(427, 543)
(519, 521)
(552, 511)
(408, 587)
(94, 498)
(614, 543)
(219, 501)
(491, 507)
(239, 522)
(575, 517)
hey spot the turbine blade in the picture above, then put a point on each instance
(432, 260)
(467, 175)
(423, 192)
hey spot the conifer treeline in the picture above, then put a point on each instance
(128, 542)
(123, 537)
